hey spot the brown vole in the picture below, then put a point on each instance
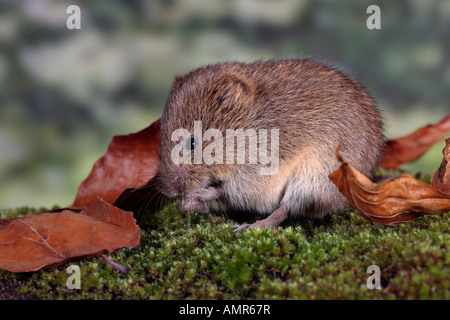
(302, 108)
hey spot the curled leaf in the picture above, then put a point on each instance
(409, 148)
(394, 201)
(37, 241)
(441, 178)
(130, 162)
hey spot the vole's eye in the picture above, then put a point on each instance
(191, 143)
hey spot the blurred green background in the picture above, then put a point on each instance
(65, 93)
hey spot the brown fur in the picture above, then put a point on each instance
(314, 106)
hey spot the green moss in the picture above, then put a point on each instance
(199, 257)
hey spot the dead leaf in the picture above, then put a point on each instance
(441, 179)
(51, 238)
(409, 148)
(394, 201)
(130, 162)
(37, 241)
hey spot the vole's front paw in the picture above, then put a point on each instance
(196, 200)
(192, 204)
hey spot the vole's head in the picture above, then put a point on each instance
(200, 107)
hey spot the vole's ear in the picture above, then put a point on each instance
(230, 90)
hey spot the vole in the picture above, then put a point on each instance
(303, 109)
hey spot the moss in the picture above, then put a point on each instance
(201, 258)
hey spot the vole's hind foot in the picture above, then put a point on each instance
(275, 219)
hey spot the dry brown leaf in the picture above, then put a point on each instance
(48, 239)
(130, 162)
(409, 148)
(394, 201)
(441, 179)
(37, 241)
